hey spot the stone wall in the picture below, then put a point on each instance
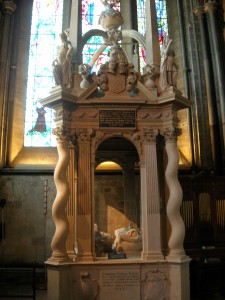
(28, 230)
(189, 57)
(109, 202)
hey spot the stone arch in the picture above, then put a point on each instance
(97, 32)
(134, 138)
(91, 33)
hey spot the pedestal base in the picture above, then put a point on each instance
(121, 279)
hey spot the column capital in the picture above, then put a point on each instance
(171, 133)
(62, 112)
(8, 7)
(84, 135)
(149, 135)
(62, 119)
(62, 133)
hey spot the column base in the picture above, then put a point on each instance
(151, 256)
(179, 280)
(178, 257)
(84, 257)
(58, 282)
(57, 260)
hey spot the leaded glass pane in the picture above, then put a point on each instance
(46, 25)
(91, 10)
(161, 19)
(161, 16)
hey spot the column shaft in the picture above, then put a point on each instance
(5, 60)
(210, 89)
(71, 205)
(150, 205)
(84, 220)
(212, 8)
(59, 206)
(174, 202)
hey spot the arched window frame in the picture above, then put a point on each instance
(21, 157)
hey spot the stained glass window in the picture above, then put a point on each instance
(46, 25)
(45, 28)
(161, 16)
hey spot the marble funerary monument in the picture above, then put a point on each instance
(117, 103)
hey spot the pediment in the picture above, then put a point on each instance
(118, 93)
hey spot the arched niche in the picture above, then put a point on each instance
(117, 192)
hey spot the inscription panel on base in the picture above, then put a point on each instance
(120, 284)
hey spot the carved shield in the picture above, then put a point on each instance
(116, 83)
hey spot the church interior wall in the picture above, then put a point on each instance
(27, 217)
(109, 202)
(21, 34)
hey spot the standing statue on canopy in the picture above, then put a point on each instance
(168, 67)
(62, 65)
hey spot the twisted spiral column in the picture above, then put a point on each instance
(175, 199)
(59, 215)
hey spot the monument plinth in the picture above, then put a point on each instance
(131, 119)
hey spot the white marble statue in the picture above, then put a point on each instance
(168, 67)
(62, 65)
(121, 233)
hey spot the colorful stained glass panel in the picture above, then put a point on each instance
(45, 28)
(161, 16)
(91, 11)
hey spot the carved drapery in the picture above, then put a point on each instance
(175, 195)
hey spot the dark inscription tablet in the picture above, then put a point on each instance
(117, 118)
